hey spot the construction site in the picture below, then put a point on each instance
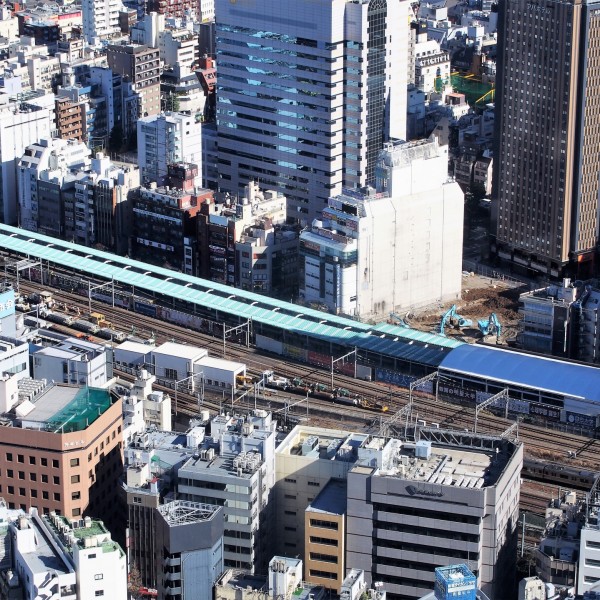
(487, 311)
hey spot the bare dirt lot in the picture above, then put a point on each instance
(481, 296)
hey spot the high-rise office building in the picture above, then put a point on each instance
(546, 167)
(307, 94)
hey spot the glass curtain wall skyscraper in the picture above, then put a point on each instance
(546, 162)
(308, 91)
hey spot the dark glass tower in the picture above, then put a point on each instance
(547, 159)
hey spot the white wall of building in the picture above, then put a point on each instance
(164, 139)
(394, 249)
(101, 570)
(18, 129)
(589, 559)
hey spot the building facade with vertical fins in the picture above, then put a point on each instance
(307, 94)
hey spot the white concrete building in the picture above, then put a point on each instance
(143, 407)
(206, 9)
(179, 49)
(73, 361)
(166, 139)
(218, 372)
(9, 24)
(299, 123)
(21, 124)
(133, 354)
(100, 20)
(76, 560)
(396, 248)
(176, 361)
(8, 319)
(432, 66)
(44, 159)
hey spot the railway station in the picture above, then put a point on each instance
(543, 388)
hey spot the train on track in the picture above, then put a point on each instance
(559, 474)
(558, 409)
(320, 391)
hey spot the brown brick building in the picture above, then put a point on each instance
(70, 119)
(63, 453)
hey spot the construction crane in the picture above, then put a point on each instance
(489, 326)
(454, 318)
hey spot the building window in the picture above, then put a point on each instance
(98, 576)
(9, 456)
(21, 475)
(74, 462)
(171, 373)
(137, 500)
(75, 478)
(324, 524)
(45, 495)
(56, 480)
(324, 557)
(20, 458)
(322, 574)
(44, 462)
(289, 480)
(32, 460)
(44, 478)
(91, 556)
(34, 493)
(32, 477)
(76, 512)
(57, 496)
(324, 541)
(10, 473)
(21, 491)
(55, 463)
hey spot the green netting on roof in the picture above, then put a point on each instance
(82, 411)
(475, 91)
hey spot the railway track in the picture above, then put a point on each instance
(539, 442)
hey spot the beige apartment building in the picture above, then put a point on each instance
(325, 526)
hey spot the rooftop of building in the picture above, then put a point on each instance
(72, 349)
(137, 347)
(424, 462)
(183, 512)
(221, 363)
(318, 442)
(44, 557)
(62, 408)
(180, 351)
(399, 152)
(167, 448)
(332, 499)
(85, 533)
